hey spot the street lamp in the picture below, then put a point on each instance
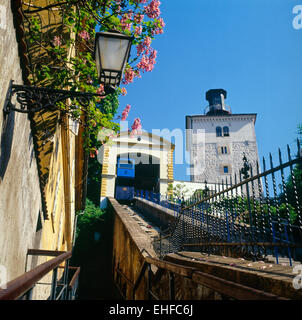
(112, 50)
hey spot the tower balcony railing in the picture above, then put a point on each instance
(218, 108)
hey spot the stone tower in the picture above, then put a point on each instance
(218, 139)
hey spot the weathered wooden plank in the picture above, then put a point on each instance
(232, 289)
(180, 270)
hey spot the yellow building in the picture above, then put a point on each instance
(43, 164)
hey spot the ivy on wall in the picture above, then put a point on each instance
(60, 37)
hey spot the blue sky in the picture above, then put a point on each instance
(248, 48)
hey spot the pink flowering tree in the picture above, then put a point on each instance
(54, 67)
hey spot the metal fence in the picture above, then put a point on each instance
(246, 215)
(64, 288)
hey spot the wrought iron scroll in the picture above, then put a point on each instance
(32, 99)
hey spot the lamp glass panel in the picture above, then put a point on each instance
(113, 51)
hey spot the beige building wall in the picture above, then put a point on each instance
(20, 197)
(38, 176)
(144, 144)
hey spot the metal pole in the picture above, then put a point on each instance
(171, 285)
(54, 284)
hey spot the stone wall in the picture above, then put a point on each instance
(130, 246)
(20, 200)
(205, 150)
(212, 277)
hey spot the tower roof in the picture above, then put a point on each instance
(216, 99)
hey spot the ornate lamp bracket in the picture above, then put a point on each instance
(32, 99)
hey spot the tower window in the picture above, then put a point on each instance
(226, 131)
(218, 132)
(225, 169)
(224, 150)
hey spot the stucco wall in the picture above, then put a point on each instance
(20, 200)
(206, 157)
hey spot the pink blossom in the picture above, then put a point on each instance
(57, 41)
(138, 31)
(93, 153)
(124, 91)
(159, 28)
(161, 22)
(126, 112)
(136, 127)
(128, 75)
(100, 90)
(147, 63)
(152, 10)
(126, 25)
(84, 35)
(138, 18)
(144, 47)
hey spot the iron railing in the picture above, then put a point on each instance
(165, 201)
(61, 289)
(246, 216)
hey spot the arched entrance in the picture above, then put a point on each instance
(136, 172)
(143, 162)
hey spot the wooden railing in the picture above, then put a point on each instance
(224, 287)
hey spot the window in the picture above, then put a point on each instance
(225, 169)
(218, 132)
(224, 150)
(125, 166)
(221, 149)
(226, 131)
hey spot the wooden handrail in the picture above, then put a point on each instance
(16, 288)
(41, 252)
(229, 288)
(175, 268)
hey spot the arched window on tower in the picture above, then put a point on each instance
(218, 132)
(226, 131)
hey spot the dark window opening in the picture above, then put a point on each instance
(218, 132)
(224, 150)
(225, 169)
(226, 131)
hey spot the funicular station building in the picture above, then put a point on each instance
(139, 162)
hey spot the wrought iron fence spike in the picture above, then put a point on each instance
(271, 160)
(289, 153)
(264, 166)
(280, 156)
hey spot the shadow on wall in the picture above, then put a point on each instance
(6, 142)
